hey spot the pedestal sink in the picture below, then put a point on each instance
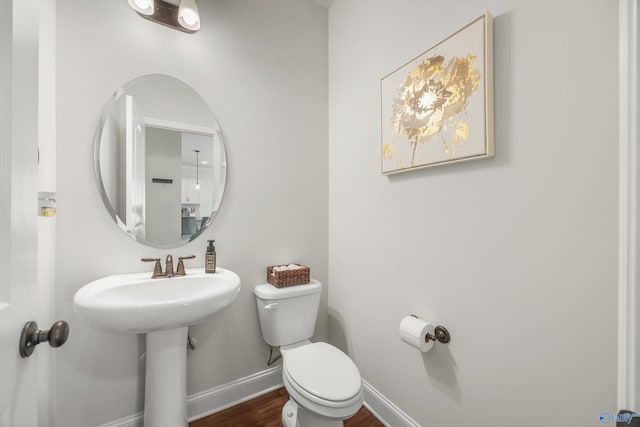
(163, 309)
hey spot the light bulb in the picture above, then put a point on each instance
(144, 7)
(188, 15)
(197, 185)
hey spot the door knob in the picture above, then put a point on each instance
(31, 336)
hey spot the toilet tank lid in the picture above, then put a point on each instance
(269, 292)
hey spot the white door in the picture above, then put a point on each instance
(18, 207)
(135, 167)
(629, 204)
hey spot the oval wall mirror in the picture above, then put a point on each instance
(160, 161)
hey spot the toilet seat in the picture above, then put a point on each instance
(323, 378)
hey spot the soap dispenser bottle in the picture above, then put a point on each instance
(210, 258)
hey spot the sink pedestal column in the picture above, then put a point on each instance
(165, 394)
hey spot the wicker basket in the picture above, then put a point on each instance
(281, 279)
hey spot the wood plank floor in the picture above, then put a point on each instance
(266, 411)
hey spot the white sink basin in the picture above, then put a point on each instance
(136, 303)
(162, 309)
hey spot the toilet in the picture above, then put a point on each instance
(324, 385)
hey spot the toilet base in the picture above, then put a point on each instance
(289, 414)
(296, 416)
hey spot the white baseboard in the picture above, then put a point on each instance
(227, 395)
(384, 410)
(214, 400)
(134, 420)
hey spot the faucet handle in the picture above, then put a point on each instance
(180, 269)
(157, 269)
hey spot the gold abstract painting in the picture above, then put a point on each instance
(438, 108)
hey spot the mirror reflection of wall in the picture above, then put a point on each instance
(162, 185)
(186, 203)
(160, 161)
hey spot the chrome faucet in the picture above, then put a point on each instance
(168, 270)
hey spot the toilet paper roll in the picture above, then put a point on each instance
(414, 332)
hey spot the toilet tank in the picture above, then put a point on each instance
(288, 315)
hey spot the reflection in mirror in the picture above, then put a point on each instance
(160, 161)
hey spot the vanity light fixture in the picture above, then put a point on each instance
(197, 175)
(181, 15)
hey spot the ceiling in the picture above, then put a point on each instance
(191, 142)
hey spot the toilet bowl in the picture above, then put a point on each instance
(324, 385)
(323, 382)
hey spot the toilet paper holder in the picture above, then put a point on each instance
(440, 333)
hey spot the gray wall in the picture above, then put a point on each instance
(163, 159)
(515, 255)
(262, 68)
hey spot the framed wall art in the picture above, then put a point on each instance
(437, 109)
